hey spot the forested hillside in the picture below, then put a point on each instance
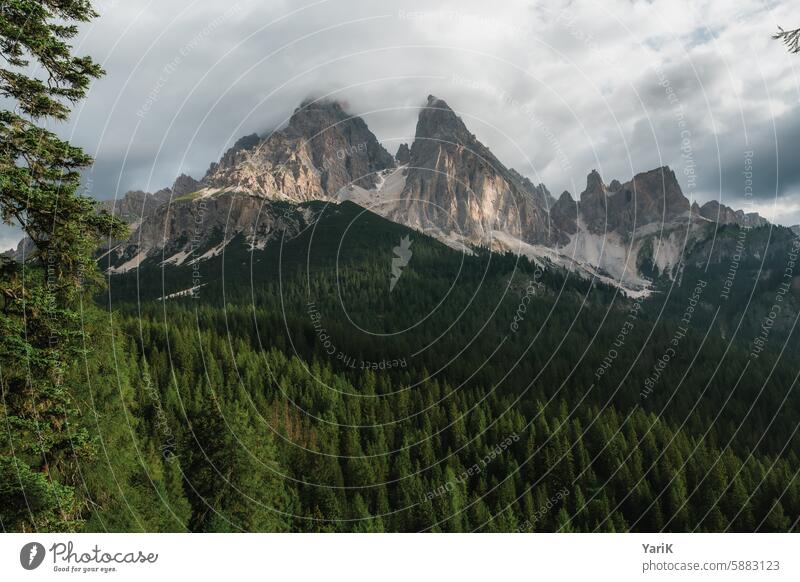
(256, 351)
(287, 393)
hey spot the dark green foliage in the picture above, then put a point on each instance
(465, 436)
(40, 327)
(296, 392)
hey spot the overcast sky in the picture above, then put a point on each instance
(554, 88)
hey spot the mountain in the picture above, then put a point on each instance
(650, 197)
(136, 204)
(454, 184)
(446, 183)
(722, 214)
(288, 369)
(321, 151)
(369, 396)
(612, 226)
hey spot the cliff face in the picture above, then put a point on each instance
(321, 151)
(136, 204)
(197, 228)
(455, 184)
(650, 197)
(564, 214)
(722, 214)
(446, 183)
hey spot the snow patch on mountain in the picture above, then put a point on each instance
(212, 252)
(183, 293)
(608, 252)
(178, 258)
(541, 255)
(383, 199)
(128, 265)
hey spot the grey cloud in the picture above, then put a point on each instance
(550, 96)
(775, 162)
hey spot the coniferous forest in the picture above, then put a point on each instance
(278, 397)
(313, 385)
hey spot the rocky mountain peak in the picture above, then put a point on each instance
(316, 116)
(650, 197)
(322, 150)
(662, 179)
(593, 202)
(456, 184)
(185, 184)
(437, 121)
(564, 216)
(245, 142)
(403, 154)
(594, 186)
(754, 219)
(717, 212)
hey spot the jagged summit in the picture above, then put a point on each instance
(454, 183)
(449, 184)
(437, 121)
(594, 183)
(184, 184)
(315, 116)
(433, 102)
(322, 150)
(717, 212)
(652, 196)
(403, 155)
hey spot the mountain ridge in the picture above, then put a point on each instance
(447, 183)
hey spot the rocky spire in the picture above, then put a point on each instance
(403, 154)
(456, 184)
(322, 150)
(650, 197)
(438, 121)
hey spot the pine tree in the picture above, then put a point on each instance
(39, 327)
(234, 479)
